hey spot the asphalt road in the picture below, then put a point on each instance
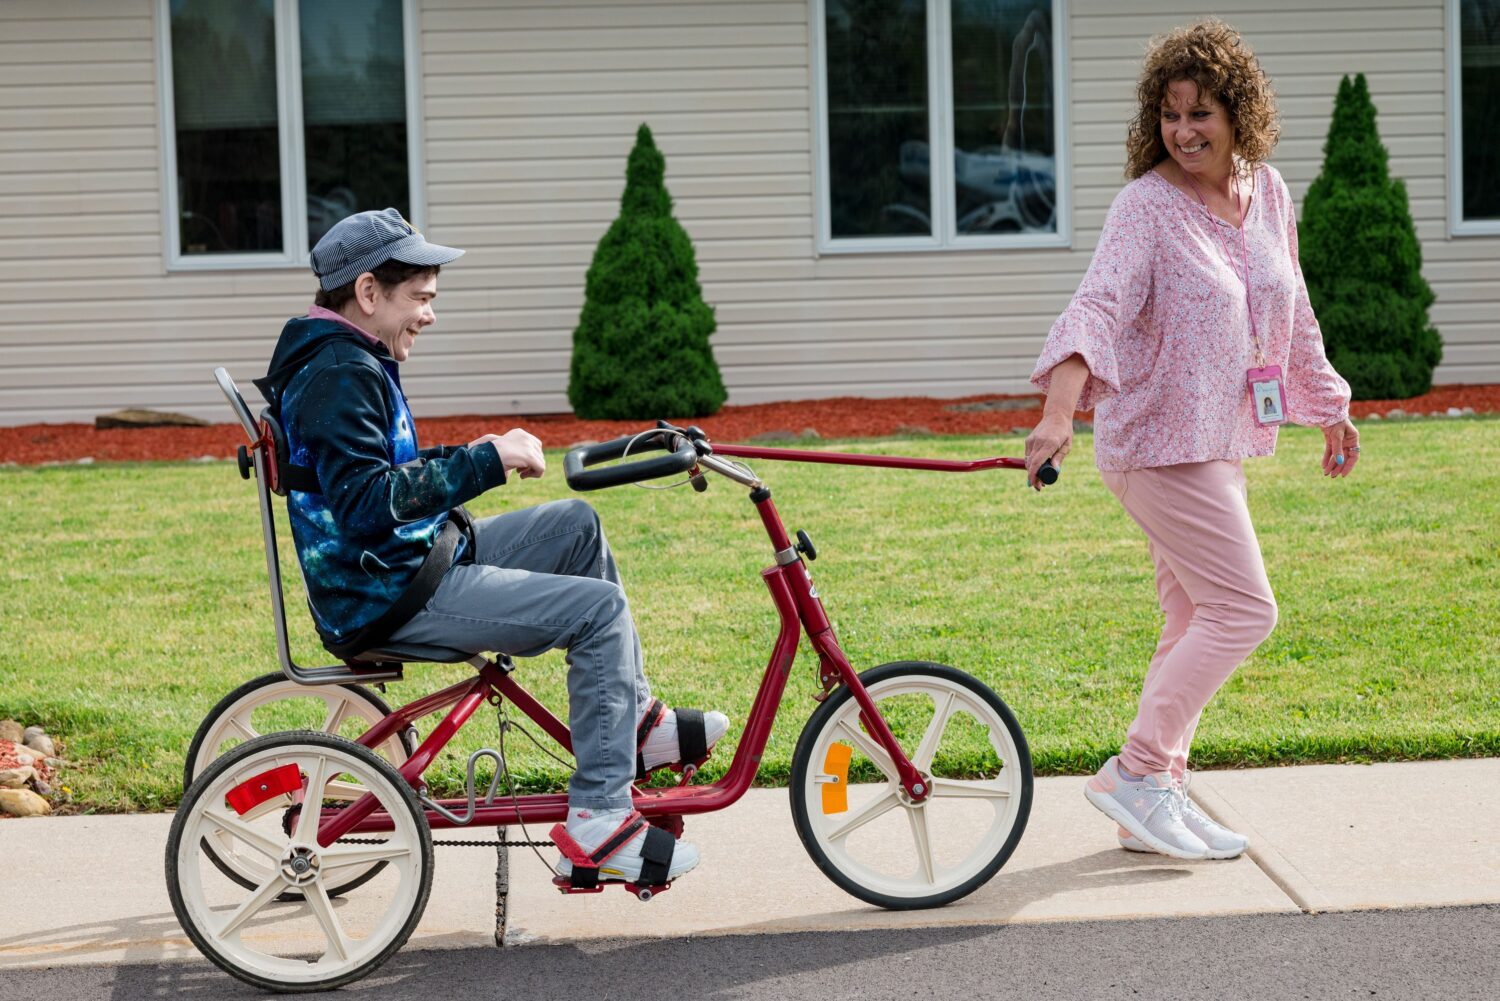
(1443, 953)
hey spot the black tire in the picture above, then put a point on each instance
(405, 800)
(208, 726)
(802, 762)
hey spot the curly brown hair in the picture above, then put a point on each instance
(1212, 55)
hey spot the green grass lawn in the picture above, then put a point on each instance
(135, 598)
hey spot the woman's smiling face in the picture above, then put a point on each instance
(1195, 130)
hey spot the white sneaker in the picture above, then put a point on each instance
(1149, 809)
(590, 828)
(662, 746)
(1221, 841)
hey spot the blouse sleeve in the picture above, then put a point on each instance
(1111, 295)
(1316, 395)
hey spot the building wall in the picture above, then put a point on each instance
(530, 109)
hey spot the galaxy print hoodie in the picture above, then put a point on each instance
(384, 500)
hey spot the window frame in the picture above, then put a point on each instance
(288, 35)
(1457, 224)
(940, 115)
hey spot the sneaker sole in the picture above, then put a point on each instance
(1106, 804)
(1131, 844)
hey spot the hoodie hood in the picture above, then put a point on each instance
(301, 339)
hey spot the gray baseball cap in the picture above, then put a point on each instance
(366, 240)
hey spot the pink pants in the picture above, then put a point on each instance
(1213, 590)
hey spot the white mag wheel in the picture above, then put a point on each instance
(307, 942)
(273, 703)
(858, 823)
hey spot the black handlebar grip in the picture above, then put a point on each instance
(579, 477)
(1048, 473)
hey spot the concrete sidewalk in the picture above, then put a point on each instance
(1326, 837)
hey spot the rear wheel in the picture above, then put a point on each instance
(858, 823)
(285, 933)
(273, 703)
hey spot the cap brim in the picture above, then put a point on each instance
(424, 254)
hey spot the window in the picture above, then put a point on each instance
(1474, 116)
(280, 117)
(974, 86)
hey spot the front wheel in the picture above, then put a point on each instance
(858, 823)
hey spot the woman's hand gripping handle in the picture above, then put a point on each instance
(1052, 439)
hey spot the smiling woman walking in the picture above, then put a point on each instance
(1192, 339)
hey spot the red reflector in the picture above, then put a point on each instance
(267, 785)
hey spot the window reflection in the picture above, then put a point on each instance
(1479, 39)
(1004, 157)
(353, 110)
(877, 117)
(228, 151)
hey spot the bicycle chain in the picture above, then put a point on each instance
(457, 844)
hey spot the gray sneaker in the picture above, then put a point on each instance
(1221, 841)
(1150, 810)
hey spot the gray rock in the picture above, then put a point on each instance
(42, 744)
(809, 434)
(11, 730)
(1373, 417)
(1395, 414)
(1468, 411)
(138, 418)
(1455, 412)
(23, 803)
(32, 731)
(913, 431)
(87, 460)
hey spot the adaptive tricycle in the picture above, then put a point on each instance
(910, 786)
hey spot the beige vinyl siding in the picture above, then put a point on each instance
(529, 111)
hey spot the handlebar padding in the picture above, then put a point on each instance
(580, 477)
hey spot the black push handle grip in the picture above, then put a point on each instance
(1048, 473)
(681, 459)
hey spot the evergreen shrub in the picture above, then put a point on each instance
(1363, 264)
(641, 350)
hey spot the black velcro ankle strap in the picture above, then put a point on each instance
(656, 857)
(692, 738)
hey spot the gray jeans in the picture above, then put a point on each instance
(543, 578)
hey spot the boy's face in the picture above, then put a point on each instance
(400, 313)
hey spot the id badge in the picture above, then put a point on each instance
(1266, 396)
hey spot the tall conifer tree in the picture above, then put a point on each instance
(641, 350)
(1362, 261)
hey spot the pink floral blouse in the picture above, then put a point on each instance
(1161, 321)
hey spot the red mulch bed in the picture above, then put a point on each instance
(841, 417)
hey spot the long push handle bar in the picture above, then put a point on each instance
(679, 460)
(1047, 474)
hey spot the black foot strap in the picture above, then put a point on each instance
(692, 738)
(656, 857)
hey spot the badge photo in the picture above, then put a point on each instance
(1266, 395)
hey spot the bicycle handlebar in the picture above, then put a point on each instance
(681, 459)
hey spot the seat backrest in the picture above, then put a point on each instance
(263, 451)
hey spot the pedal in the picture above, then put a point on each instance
(566, 886)
(645, 893)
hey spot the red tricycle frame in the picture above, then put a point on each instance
(799, 610)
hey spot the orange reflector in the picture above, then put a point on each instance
(835, 778)
(267, 785)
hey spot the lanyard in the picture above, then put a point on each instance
(1213, 225)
